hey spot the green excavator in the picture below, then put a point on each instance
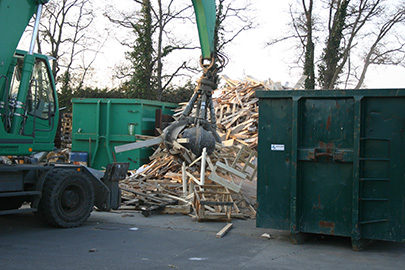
(64, 194)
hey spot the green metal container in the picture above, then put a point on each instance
(333, 162)
(101, 124)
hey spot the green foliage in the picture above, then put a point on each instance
(332, 53)
(142, 84)
(309, 56)
(167, 50)
(66, 91)
(309, 68)
(178, 94)
(89, 92)
(219, 28)
(173, 94)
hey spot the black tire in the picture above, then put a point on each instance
(67, 198)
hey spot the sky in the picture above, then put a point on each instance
(248, 54)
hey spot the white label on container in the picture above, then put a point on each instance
(277, 147)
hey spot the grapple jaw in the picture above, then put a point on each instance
(201, 135)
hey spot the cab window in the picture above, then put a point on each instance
(41, 100)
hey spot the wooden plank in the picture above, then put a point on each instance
(203, 161)
(146, 196)
(184, 178)
(223, 182)
(195, 161)
(224, 230)
(238, 156)
(175, 198)
(137, 145)
(241, 126)
(228, 142)
(144, 137)
(183, 140)
(176, 209)
(172, 175)
(193, 177)
(230, 169)
(252, 210)
(210, 165)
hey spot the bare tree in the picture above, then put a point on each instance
(309, 70)
(233, 18)
(304, 25)
(152, 20)
(383, 50)
(360, 33)
(64, 35)
(168, 16)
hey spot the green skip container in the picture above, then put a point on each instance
(332, 162)
(101, 124)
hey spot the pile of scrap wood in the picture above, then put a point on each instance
(170, 181)
(177, 181)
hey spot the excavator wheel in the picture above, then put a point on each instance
(67, 198)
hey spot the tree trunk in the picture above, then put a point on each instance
(159, 53)
(309, 69)
(329, 72)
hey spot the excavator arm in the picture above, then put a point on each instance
(199, 129)
(13, 20)
(205, 13)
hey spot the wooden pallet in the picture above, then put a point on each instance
(212, 202)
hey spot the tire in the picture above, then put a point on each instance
(67, 198)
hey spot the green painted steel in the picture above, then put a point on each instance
(14, 19)
(34, 121)
(28, 106)
(205, 12)
(101, 124)
(332, 162)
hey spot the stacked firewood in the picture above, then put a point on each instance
(177, 181)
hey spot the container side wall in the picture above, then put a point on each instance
(101, 124)
(324, 173)
(382, 169)
(274, 158)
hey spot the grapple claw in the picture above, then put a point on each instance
(200, 132)
(200, 136)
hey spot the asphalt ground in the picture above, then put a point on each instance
(126, 240)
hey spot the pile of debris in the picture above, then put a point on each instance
(220, 186)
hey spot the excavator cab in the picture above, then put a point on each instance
(29, 110)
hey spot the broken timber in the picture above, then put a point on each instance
(137, 145)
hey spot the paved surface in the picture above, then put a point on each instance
(131, 241)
